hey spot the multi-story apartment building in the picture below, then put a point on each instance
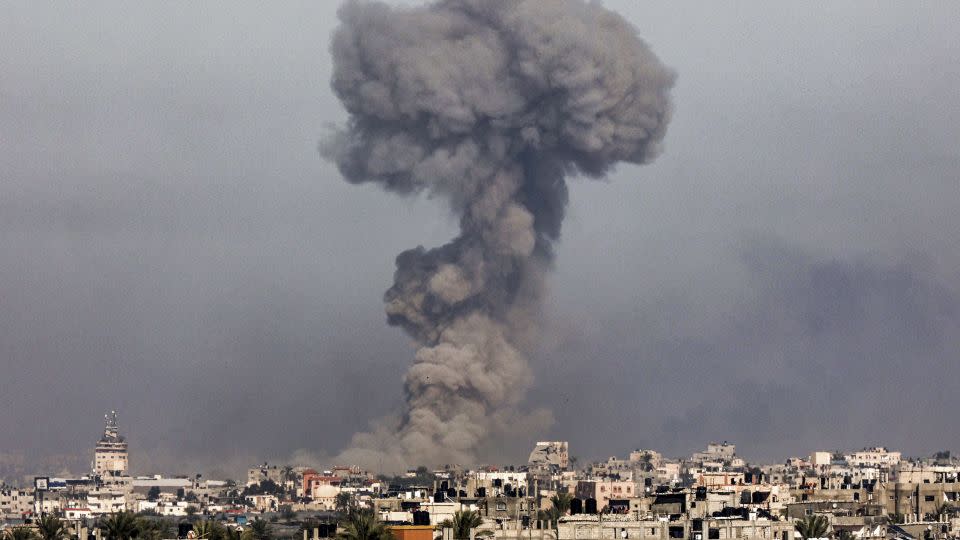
(15, 502)
(110, 457)
(873, 457)
(587, 527)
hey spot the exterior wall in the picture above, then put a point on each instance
(821, 459)
(106, 501)
(110, 458)
(550, 453)
(717, 479)
(585, 528)
(874, 457)
(914, 501)
(604, 490)
(264, 503)
(15, 501)
(324, 495)
(412, 532)
(256, 475)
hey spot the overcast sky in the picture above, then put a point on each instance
(784, 276)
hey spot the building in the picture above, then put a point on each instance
(873, 457)
(255, 475)
(550, 454)
(821, 460)
(15, 502)
(716, 452)
(588, 527)
(110, 457)
(603, 491)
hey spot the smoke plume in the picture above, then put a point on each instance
(490, 104)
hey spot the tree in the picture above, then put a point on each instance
(190, 510)
(287, 512)
(287, 476)
(463, 522)
(51, 528)
(233, 533)
(153, 529)
(21, 533)
(120, 526)
(265, 487)
(561, 501)
(362, 524)
(154, 493)
(259, 530)
(944, 509)
(344, 503)
(844, 534)
(208, 530)
(813, 526)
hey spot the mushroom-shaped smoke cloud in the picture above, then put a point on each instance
(490, 104)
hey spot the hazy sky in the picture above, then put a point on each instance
(172, 245)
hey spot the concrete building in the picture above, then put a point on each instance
(110, 457)
(821, 460)
(255, 475)
(624, 527)
(550, 454)
(604, 491)
(873, 457)
(15, 502)
(722, 452)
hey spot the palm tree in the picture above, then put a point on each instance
(120, 526)
(561, 501)
(463, 522)
(813, 526)
(943, 509)
(259, 530)
(153, 529)
(21, 533)
(343, 502)
(51, 528)
(208, 530)
(233, 533)
(287, 475)
(362, 524)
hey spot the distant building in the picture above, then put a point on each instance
(256, 475)
(821, 459)
(873, 457)
(550, 453)
(110, 457)
(724, 452)
(603, 491)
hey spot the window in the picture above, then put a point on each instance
(929, 498)
(713, 533)
(501, 506)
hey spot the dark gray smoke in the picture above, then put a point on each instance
(490, 104)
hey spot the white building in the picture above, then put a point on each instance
(106, 501)
(110, 458)
(873, 457)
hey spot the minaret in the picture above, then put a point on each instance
(110, 457)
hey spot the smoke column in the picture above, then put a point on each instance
(490, 104)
